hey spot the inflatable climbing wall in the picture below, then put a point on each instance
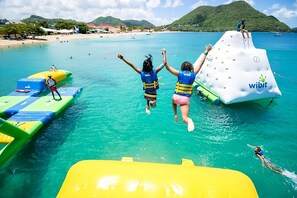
(236, 71)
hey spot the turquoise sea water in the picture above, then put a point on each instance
(108, 120)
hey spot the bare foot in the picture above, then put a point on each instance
(175, 118)
(191, 126)
(147, 111)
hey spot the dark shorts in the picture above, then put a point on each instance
(150, 95)
(53, 88)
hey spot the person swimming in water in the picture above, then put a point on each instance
(260, 154)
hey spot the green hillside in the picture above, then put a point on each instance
(56, 23)
(3, 21)
(142, 23)
(118, 22)
(49, 22)
(226, 17)
(108, 20)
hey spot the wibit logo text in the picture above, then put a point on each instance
(260, 84)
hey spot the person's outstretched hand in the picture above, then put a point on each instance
(164, 57)
(120, 56)
(208, 47)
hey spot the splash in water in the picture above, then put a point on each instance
(292, 176)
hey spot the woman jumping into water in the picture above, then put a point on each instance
(149, 78)
(184, 85)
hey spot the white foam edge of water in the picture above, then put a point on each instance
(292, 176)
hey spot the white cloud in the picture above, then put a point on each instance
(83, 10)
(163, 21)
(199, 3)
(153, 3)
(177, 3)
(173, 3)
(275, 6)
(280, 11)
(86, 10)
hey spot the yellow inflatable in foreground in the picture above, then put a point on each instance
(107, 178)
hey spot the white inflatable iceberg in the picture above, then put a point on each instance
(235, 71)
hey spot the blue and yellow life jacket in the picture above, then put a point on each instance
(260, 153)
(150, 80)
(240, 26)
(184, 83)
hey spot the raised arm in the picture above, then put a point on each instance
(199, 62)
(160, 68)
(251, 146)
(168, 67)
(129, 63)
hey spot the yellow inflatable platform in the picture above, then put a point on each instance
(126, 178)
(57, 75)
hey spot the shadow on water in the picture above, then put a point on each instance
(260, 105)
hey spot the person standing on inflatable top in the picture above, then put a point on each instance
(52, 85)
(54, 68)
(241, 28)
(149, 78)
(183, 89)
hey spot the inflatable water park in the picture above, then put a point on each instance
(126, 178)
(235, 71)
(29, 107)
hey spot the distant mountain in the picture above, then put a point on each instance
(57, 24)
(226, 17)
(118, 22)
(100, 20)
(35, 18)
(142, 23)
(108, 20)
(3, 22)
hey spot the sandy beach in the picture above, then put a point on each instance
(60, 38)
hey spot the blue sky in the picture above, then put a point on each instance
(158, 12)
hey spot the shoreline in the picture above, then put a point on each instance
(60, 38)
